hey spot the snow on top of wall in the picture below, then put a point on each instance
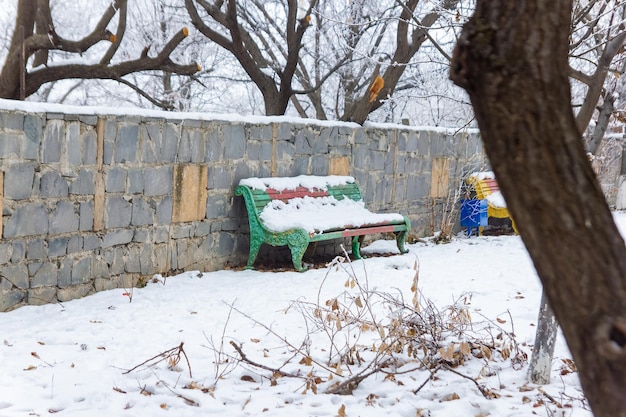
(34, 107)
(291, 183)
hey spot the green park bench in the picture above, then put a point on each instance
(299, 210)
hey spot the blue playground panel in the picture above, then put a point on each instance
(473, 215)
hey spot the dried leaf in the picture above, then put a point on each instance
(506, 353)
(254, 340)
(163, 406)
(121, 391)
(464, 348)
(247, 378)
(34, 354)
(306, 360)
(30, 368)
(450, 397)
(358, 302)
(342, 411)
(499, 320)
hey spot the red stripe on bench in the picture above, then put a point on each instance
(367, 230)
(297, 193)
(492, 185)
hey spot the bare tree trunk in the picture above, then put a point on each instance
(512, 58)
(545, 341)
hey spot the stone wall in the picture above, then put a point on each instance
(94, 199)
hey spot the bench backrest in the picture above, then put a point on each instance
(261, 198)
(483, 186)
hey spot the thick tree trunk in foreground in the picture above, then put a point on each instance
(512, 60)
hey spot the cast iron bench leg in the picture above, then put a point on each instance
(400, 240)
(255, 245)
(356, 246)
(298, 241)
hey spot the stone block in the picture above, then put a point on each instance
(181, 231)
(117, 237)
(301, 165)
(135, 181)
(88, 119)
(242, 170)
(10, 299)
(89, 142)
(216, 206)
(285, 150)
(161, 235)
(27, 220)
(116, 180)
(115, 259)
(42, 295)
(36, 249)
(52, 184)
(74, 292)
(84, 184)
(75, 244)
(141, 236)
(164, 211)
(118, 212)
(105, 284)
(18, 181)
(99, 268)
(57, 247)
(219, 177)
(74, 148)
(10, 120)
(91, 242)
(226, 244)
(19, 252)
(85, 211)
(16, 275)
(45, 276)
(214, 148)
(234, 141)
(319, 164)
(33, 128)
(147, 266)
(158, 181)
(6, 250)
(81, 271)
(53, 137)
(168, 148)
(132, 262)
(202, 229)
(184, 145)
(126, 144)
(9, 145)
(142, 212)
(63, 218)
(64, 277)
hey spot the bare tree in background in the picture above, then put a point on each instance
(36, 46)
(512, 59)
(412, 31)
(266, 37)
(597, 61)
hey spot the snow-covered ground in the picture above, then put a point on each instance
(72, 359)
